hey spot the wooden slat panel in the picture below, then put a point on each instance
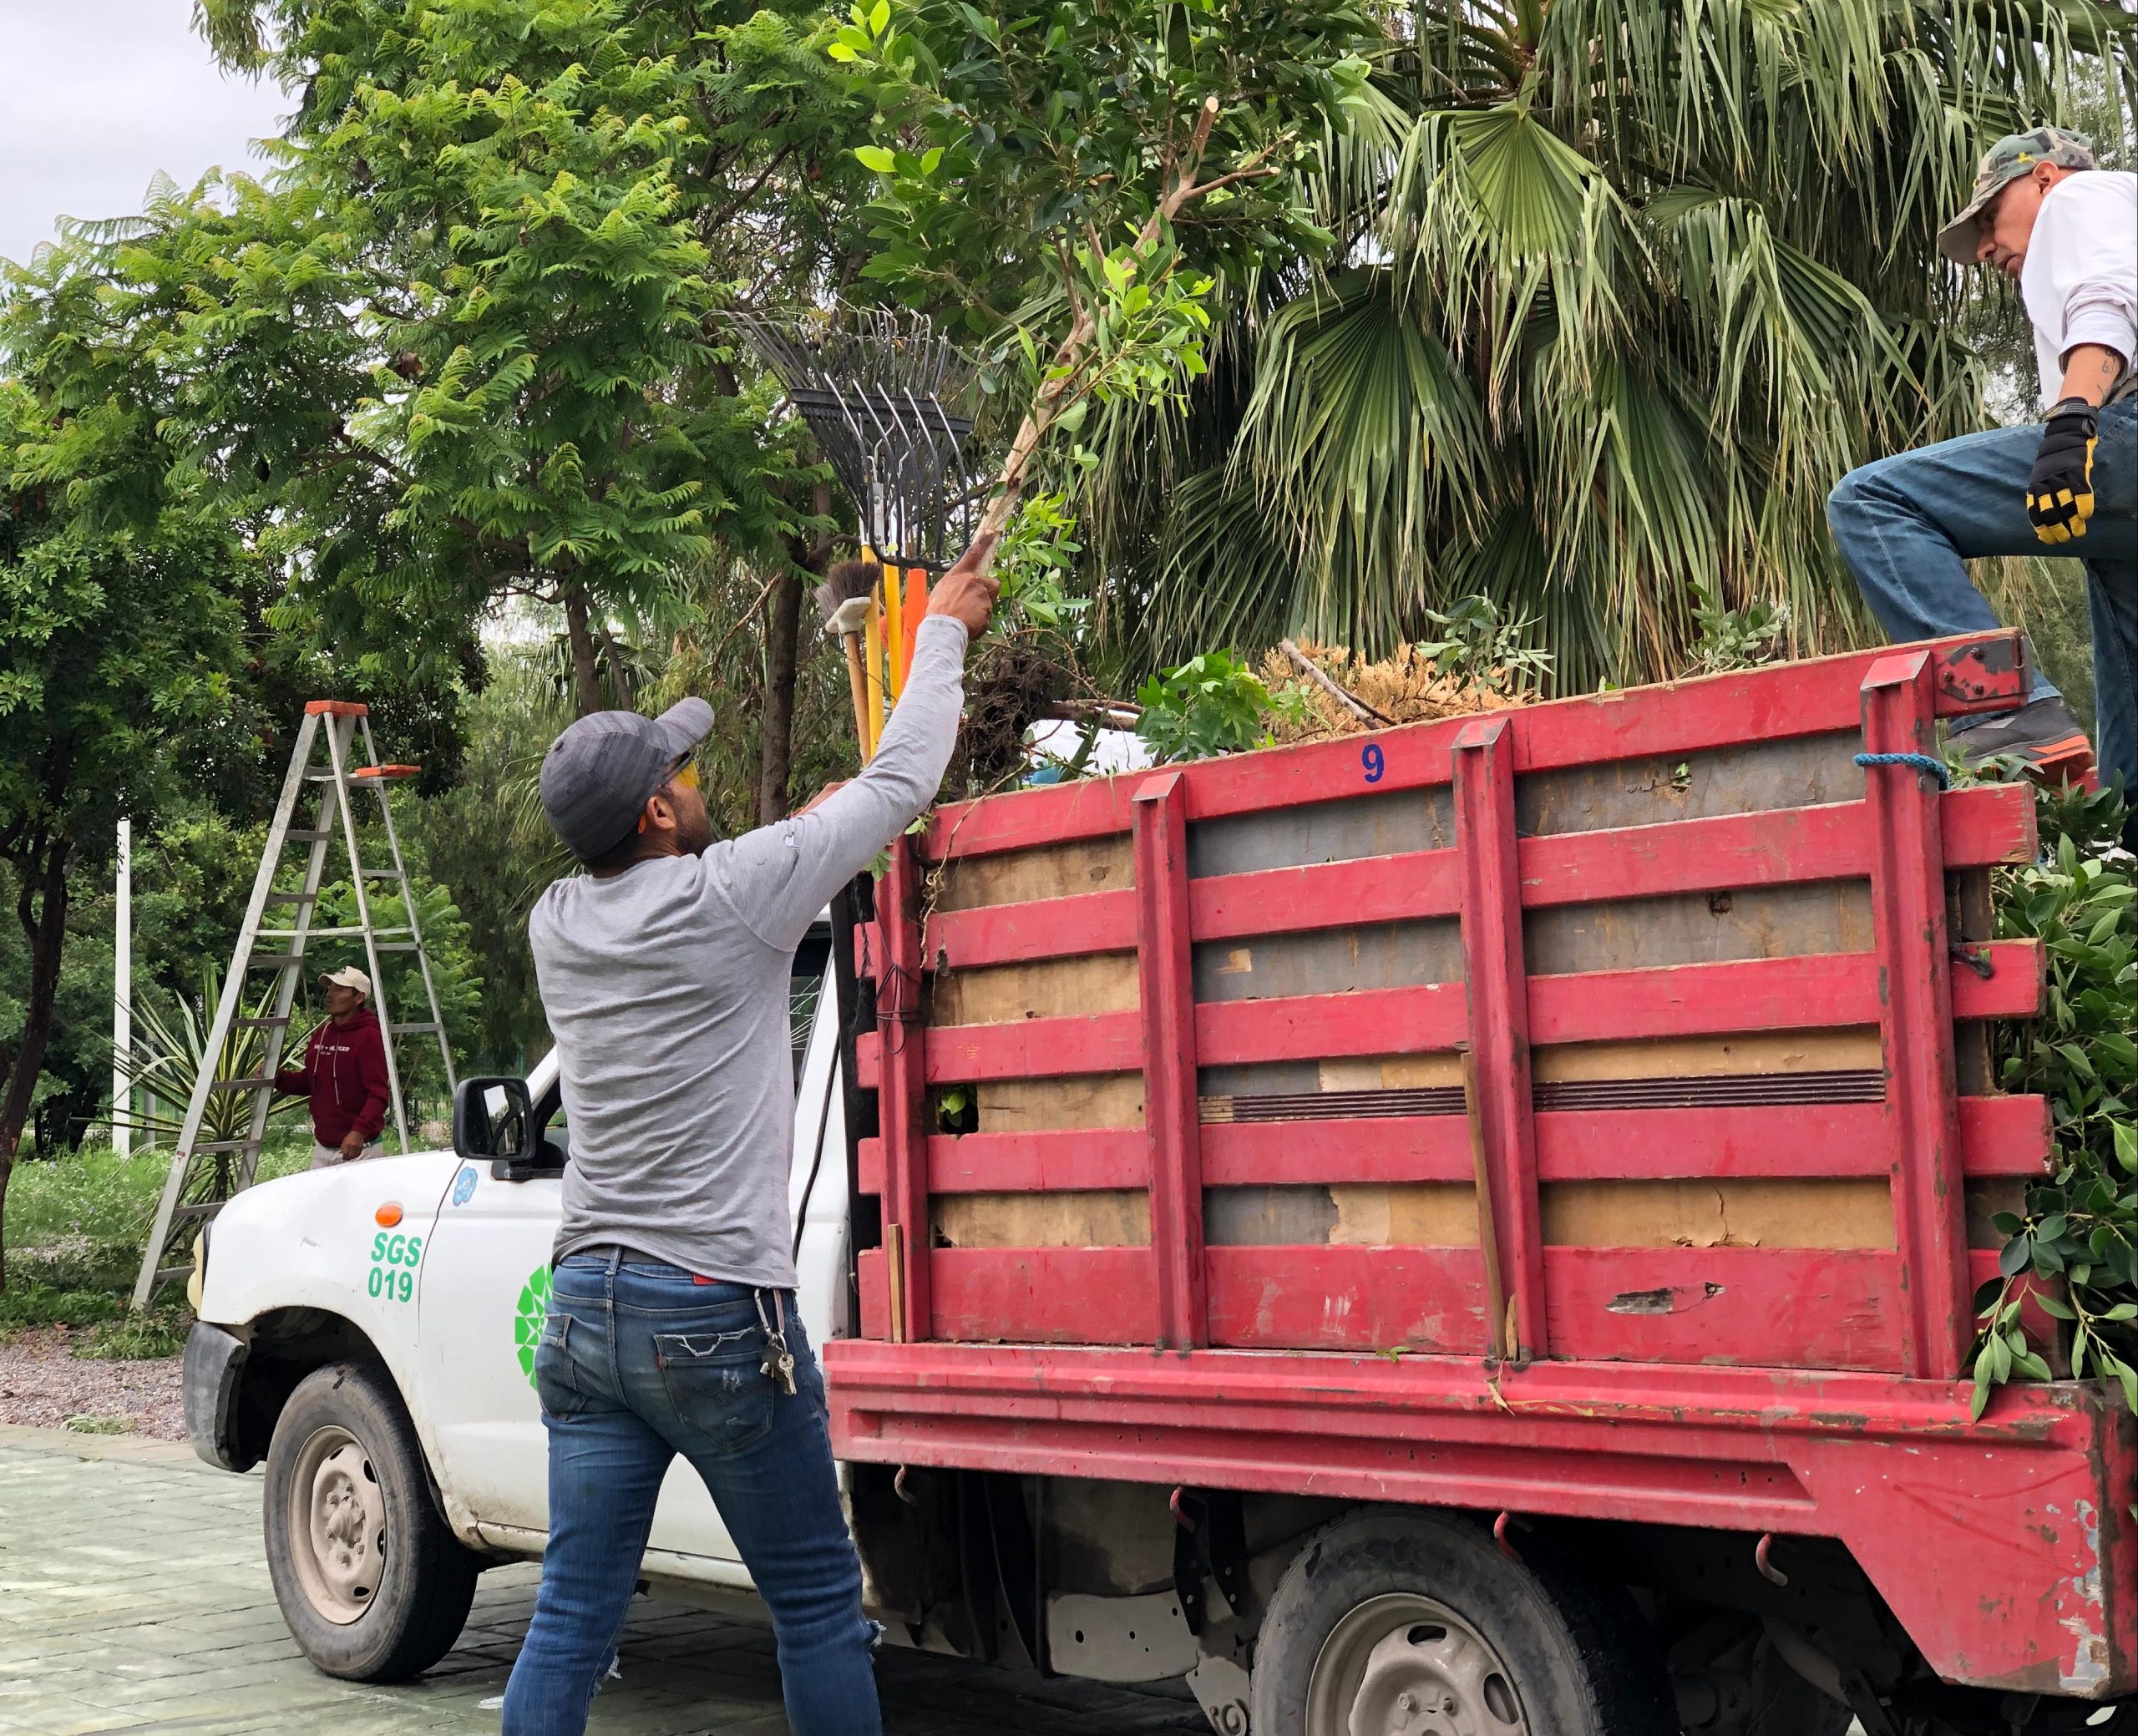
(1046, 1295)
(1052, 869)
(1333, 961)
(1432, 1214)
(1090, 1101)
(1114, 1217)
(1351, 828)
(1733, 1054)
(1746, 1306)
(1429, 1300)
(1045, 988)
(1699, 928)
(1737, 778)
(1727, 1212)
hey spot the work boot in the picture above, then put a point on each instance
(2042, 736)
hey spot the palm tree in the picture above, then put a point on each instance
(169, 1054)
(1620, 288)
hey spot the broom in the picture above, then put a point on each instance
(843, 598)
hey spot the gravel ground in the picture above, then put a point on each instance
(42, 1382)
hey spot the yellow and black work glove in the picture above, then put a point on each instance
(2060, 492)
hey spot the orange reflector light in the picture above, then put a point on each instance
(388, 1214)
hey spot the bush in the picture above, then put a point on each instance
(2076, 1247)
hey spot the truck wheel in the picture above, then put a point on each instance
(374, 1585)
(1399, 1623)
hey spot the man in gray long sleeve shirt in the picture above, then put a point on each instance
(673, 1327)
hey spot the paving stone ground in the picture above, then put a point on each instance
(133, 1596)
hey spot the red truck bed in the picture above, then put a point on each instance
(1573, 1110)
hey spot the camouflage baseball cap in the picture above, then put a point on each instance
(2006, 161)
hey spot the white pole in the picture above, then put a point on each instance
(122, 995)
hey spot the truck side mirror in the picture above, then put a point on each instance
(493, 1119)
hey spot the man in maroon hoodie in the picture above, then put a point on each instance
(344, 1074)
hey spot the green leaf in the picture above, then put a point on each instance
(874, 156)
(879, 18)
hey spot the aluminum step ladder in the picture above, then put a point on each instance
(205, 1174)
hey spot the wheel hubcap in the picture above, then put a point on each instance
(1405, 1665)
(337, 1526)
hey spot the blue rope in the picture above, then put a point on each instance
(1920, 761)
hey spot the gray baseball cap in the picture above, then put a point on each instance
(597, 775)
(2012, 158)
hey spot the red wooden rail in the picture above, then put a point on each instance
(1907, 903)
(1999, 1136)
(1171, 1114)
(1753, 995)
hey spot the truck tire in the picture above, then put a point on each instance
(1390, 1621)
(374, 1585)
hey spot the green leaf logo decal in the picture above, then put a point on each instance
(527, 1324)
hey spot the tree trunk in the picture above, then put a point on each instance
(783, 660)
(585, 670)
(41, 907)
(776, 739)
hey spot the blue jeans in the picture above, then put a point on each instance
(639, 1363)
(1907, 522)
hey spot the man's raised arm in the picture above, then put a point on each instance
(784, 873)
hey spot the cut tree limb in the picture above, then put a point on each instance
(1343, 695)
(1072, 354)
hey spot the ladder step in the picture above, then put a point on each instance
(262, 1024)
(398, 946)
(171, 1274)
(226, 1145)
(382, 874)
(292, 897)
(313, 835)
(273, 961)
(207, 1208)
(240, 1084)
(324, 933)
(403, 1030)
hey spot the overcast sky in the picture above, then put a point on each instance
(97, 95)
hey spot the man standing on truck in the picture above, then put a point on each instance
(344, 1073)
(672, 1326)
(2066, 232)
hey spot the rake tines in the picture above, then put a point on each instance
(882, 392)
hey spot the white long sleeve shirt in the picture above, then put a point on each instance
(2080, 277)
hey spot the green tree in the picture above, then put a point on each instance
(1620, 290)
(1149, 150)
(119, 627)
(499, 243)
